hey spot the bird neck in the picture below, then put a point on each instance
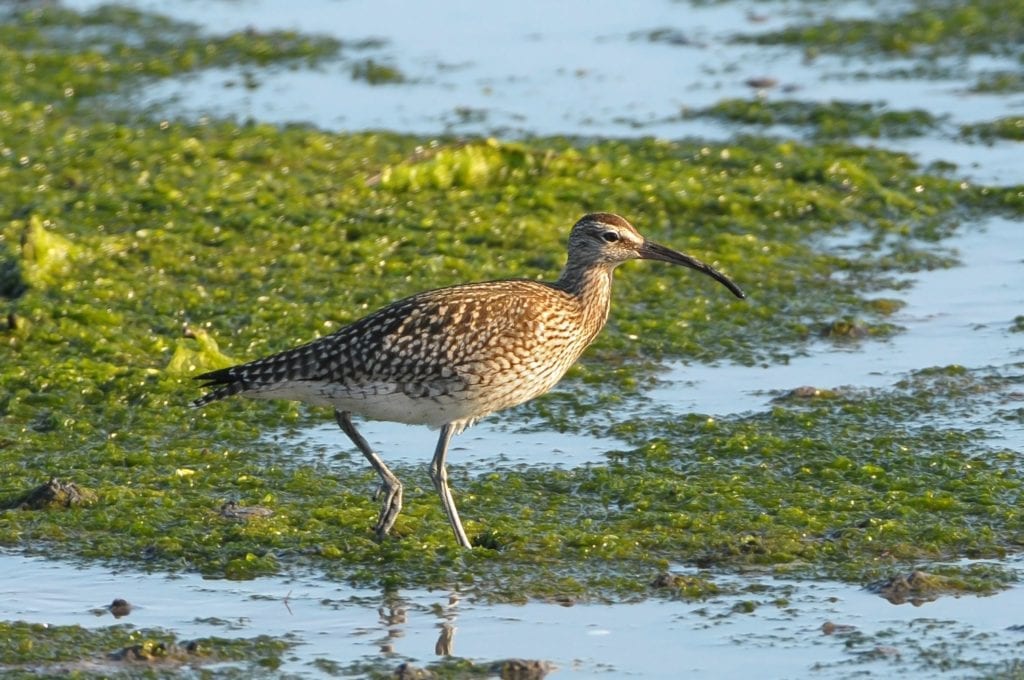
(592, 288)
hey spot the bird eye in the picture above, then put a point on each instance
(610, 236)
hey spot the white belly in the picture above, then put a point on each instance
(380, 401)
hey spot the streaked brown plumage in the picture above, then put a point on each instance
(448, 357)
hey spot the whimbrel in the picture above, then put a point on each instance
(448, 357)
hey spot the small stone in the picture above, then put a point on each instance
(120, 607)
(521, 669)
(761, 83)
(54, 494)
(830, 628)
(409, 672)
(232, 510)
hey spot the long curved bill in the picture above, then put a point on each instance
(655, 251)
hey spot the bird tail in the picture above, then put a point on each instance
(226, 382)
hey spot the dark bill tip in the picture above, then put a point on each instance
(656, 251)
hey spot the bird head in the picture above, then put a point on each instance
(608, 239)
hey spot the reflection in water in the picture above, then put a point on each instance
(394, 618)
(448, 615)
(446, 640)
(392, 615)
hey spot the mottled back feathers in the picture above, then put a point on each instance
(455, 354)
(445, 341)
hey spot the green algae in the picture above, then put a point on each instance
(686, 586)
(918, 586)
(937, 36)
(929, 28)
(30, 650)
(45, 254)
(190, 360)
(844, 120)
(52, 495)
(1000, 82)
(825, 120)
(1010, 127)
(376, 73)
(923, 646)
(668, 36)
(67, 55)
(449, 667)
(116, 234)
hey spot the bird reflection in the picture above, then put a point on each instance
(392, 614)
(446, 640)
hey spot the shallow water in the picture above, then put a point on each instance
(577, 67)
(485, 445)
(583, 68)
(959, 315)
(651, 639)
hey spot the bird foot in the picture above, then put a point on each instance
(389, 509)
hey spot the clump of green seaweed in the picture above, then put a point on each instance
(933, 28)
(29, 649)
(828, 120)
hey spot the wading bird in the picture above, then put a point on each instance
(448, 357)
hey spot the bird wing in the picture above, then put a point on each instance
(431, 343)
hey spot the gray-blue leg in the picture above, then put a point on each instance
(439, 475)
(390, 485)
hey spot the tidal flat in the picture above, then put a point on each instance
(857, 422)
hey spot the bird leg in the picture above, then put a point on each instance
(439, 475)
(390, 486)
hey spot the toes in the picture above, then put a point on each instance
(389, 509)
